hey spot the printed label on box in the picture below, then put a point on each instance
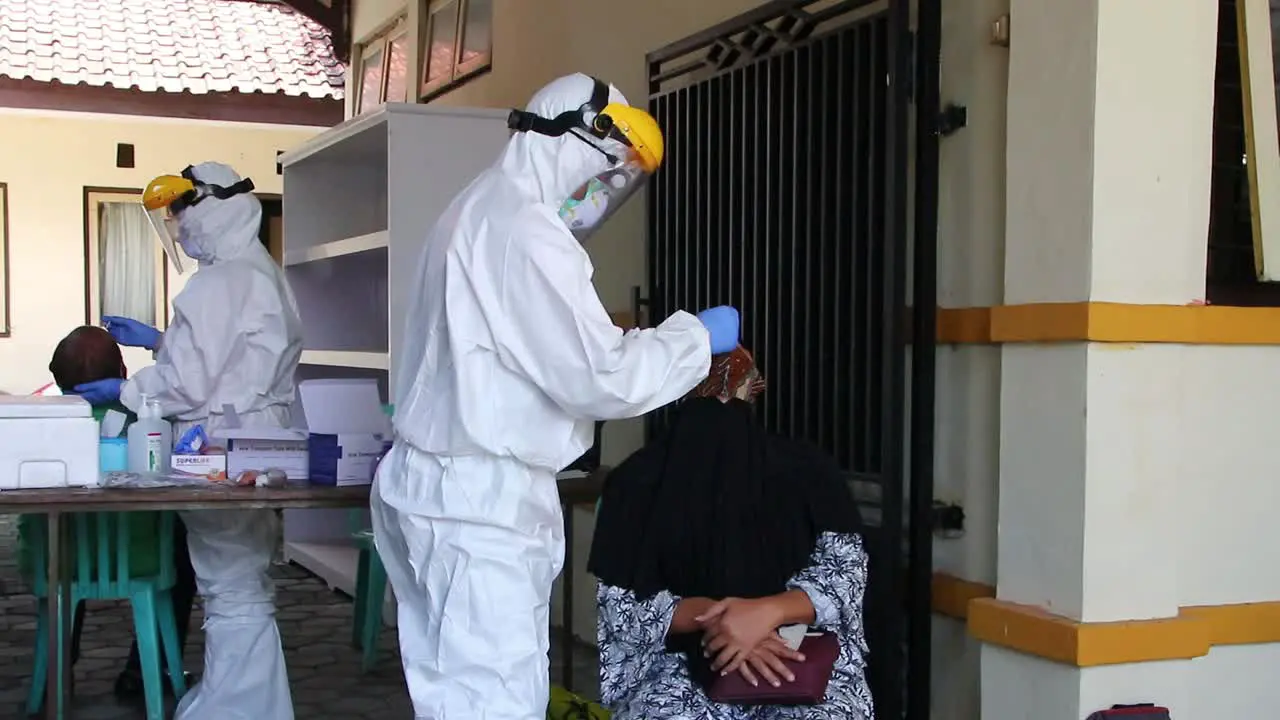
(199, 465)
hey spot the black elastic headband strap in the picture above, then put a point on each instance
(525, 121)
(222, 193)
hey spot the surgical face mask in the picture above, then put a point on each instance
(583, 213)
(189, 248)
(599, 197)
(168, 196)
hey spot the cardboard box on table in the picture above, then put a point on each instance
(338, 433)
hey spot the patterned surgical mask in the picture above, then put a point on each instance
(584, 214)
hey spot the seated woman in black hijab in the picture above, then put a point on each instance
(711, 539)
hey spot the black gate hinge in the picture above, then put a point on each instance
(947, 519)
(952, 118)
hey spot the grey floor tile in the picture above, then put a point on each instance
(314, 624)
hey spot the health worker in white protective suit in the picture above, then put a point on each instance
(233, 344)
(508, 360)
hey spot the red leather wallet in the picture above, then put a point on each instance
(809, 688)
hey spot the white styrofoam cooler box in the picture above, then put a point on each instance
(47, 442)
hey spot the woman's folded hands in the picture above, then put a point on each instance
(741, 635)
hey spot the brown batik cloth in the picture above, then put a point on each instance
(729, 372)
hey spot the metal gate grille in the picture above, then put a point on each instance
(772, 199)
(784, 194)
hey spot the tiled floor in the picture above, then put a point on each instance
(314, 623)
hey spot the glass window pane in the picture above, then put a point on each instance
(477, 33)
(441, 44)
(370, 82)
(398, 70)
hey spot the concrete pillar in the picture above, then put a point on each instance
(1108, 161)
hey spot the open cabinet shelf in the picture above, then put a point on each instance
(338, 248)
(347, 359)
(359, 201)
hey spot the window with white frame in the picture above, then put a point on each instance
(383, 69)
(457, 44)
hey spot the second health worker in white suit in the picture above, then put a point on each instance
(509, 358)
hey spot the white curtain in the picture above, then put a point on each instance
(127, 263)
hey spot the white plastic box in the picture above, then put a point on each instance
(47, 442)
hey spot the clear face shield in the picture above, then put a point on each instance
(168, 195)
(165, 223)
(627, 136)
(596, 200)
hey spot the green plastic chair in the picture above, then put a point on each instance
(371, 586)
(107, 565)
(371, 592)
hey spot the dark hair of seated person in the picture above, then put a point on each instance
(87, 354)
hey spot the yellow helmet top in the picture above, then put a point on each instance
(639, 129)
(603, 120)
(164, 190)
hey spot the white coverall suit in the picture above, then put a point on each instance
(234, 340)
(509, 358)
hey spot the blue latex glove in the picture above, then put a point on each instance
(101, 392)
(131, 333)
(722, 322)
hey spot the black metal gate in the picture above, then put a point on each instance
(785, 193)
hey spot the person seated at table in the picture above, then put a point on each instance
(708, 541)
(85, 355)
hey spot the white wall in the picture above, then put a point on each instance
(971, 228)
(48, 160)
(1224, 476)
(1228, 683)
(1136, 478)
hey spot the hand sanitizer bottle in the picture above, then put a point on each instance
(150, 440)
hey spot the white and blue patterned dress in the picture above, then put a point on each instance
(640, 680)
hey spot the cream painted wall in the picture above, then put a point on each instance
(48, 160)
(368, 16)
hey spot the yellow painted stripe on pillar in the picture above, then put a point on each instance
(1110, 322)
(951, 595)
(1036, 632)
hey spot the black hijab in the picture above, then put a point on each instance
(717, 507)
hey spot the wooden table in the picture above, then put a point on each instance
(54, 504)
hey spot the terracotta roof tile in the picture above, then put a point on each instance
(197, 46)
